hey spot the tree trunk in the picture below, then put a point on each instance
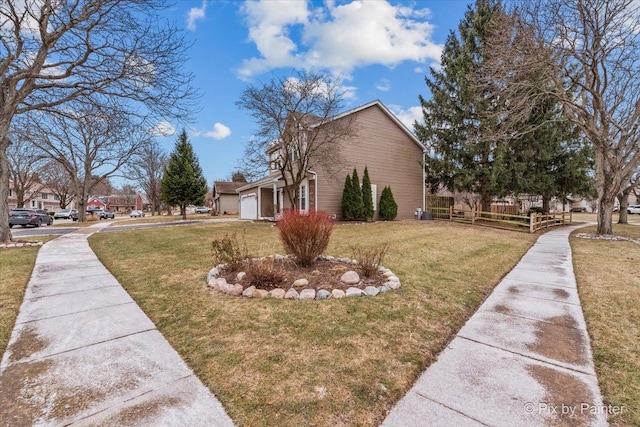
(5, 231)
(545, 204)
(183, 211)
(605, 216)
(623, 198)
(485, 202)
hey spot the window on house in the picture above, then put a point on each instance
(10, 192)
(303, 197)
(56, 197)
(33, 203)
(44, 196)
(293, 153)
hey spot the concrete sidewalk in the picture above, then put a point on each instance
(83, 353)
(523, 359)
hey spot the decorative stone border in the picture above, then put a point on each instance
(349, 278)
(20, 244)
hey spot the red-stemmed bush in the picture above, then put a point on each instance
(305, 235)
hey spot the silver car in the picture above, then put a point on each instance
(136, 214)
(633, 209)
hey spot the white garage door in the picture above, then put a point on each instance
(249, 207)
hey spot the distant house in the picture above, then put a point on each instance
(225, 197)
(392, 154)
(38, 197)
(116, 203)
(125, 202)
(95, 202)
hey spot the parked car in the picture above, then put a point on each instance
(24, 217)
(203, 209)
(136, 214)
(64, 213)
(633, 209)
(106, 214)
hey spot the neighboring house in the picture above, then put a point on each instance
(225, 197)
(392, 154)
(116, 203)
(95, 202)
(40, 198)
(125, 202)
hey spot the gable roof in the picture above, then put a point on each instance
(225, 187)
(385, 110)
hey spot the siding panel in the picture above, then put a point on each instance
(392, 158)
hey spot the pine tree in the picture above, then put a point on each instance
(367, 195)
(183, 183)
(388, 209)
(347, 200)
(358, 204)
(455, 120)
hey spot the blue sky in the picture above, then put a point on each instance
(382, 49)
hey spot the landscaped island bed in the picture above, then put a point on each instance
(339, 362)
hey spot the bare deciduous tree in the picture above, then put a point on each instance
(145, 169)
(299, 128)
(26, 164)
(57, 180)
(54, 52)
(90, 144)
(586, 55)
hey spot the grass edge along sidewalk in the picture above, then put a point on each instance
(609, 287)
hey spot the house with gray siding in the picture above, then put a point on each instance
(225, 197)
(392, 154)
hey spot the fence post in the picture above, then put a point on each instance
(531, 219)
(473, 215)
(450, 213)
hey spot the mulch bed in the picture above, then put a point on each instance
(324, 274)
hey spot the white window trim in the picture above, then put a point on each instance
(305, 185)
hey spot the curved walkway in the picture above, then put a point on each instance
(83, 353)
(523, 359)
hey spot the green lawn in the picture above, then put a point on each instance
(324, 363)
(609, 285)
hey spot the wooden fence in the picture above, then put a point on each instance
(529, 224)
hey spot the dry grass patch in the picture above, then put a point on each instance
(16, 265)
(322, 363)
(609, 286)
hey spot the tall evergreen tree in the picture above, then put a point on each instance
(461, 157)
(367, 195)
(183, 183)
(347, 200)
(551, 160)
(358, 204)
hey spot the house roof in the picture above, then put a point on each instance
(224, 187)
(385, 110)
(382, 107)
(376, 103)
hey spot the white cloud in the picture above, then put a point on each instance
(163, 128)
(340, 38)
(384, 85)
(409, 116)
(219, 131)
(196, 14)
